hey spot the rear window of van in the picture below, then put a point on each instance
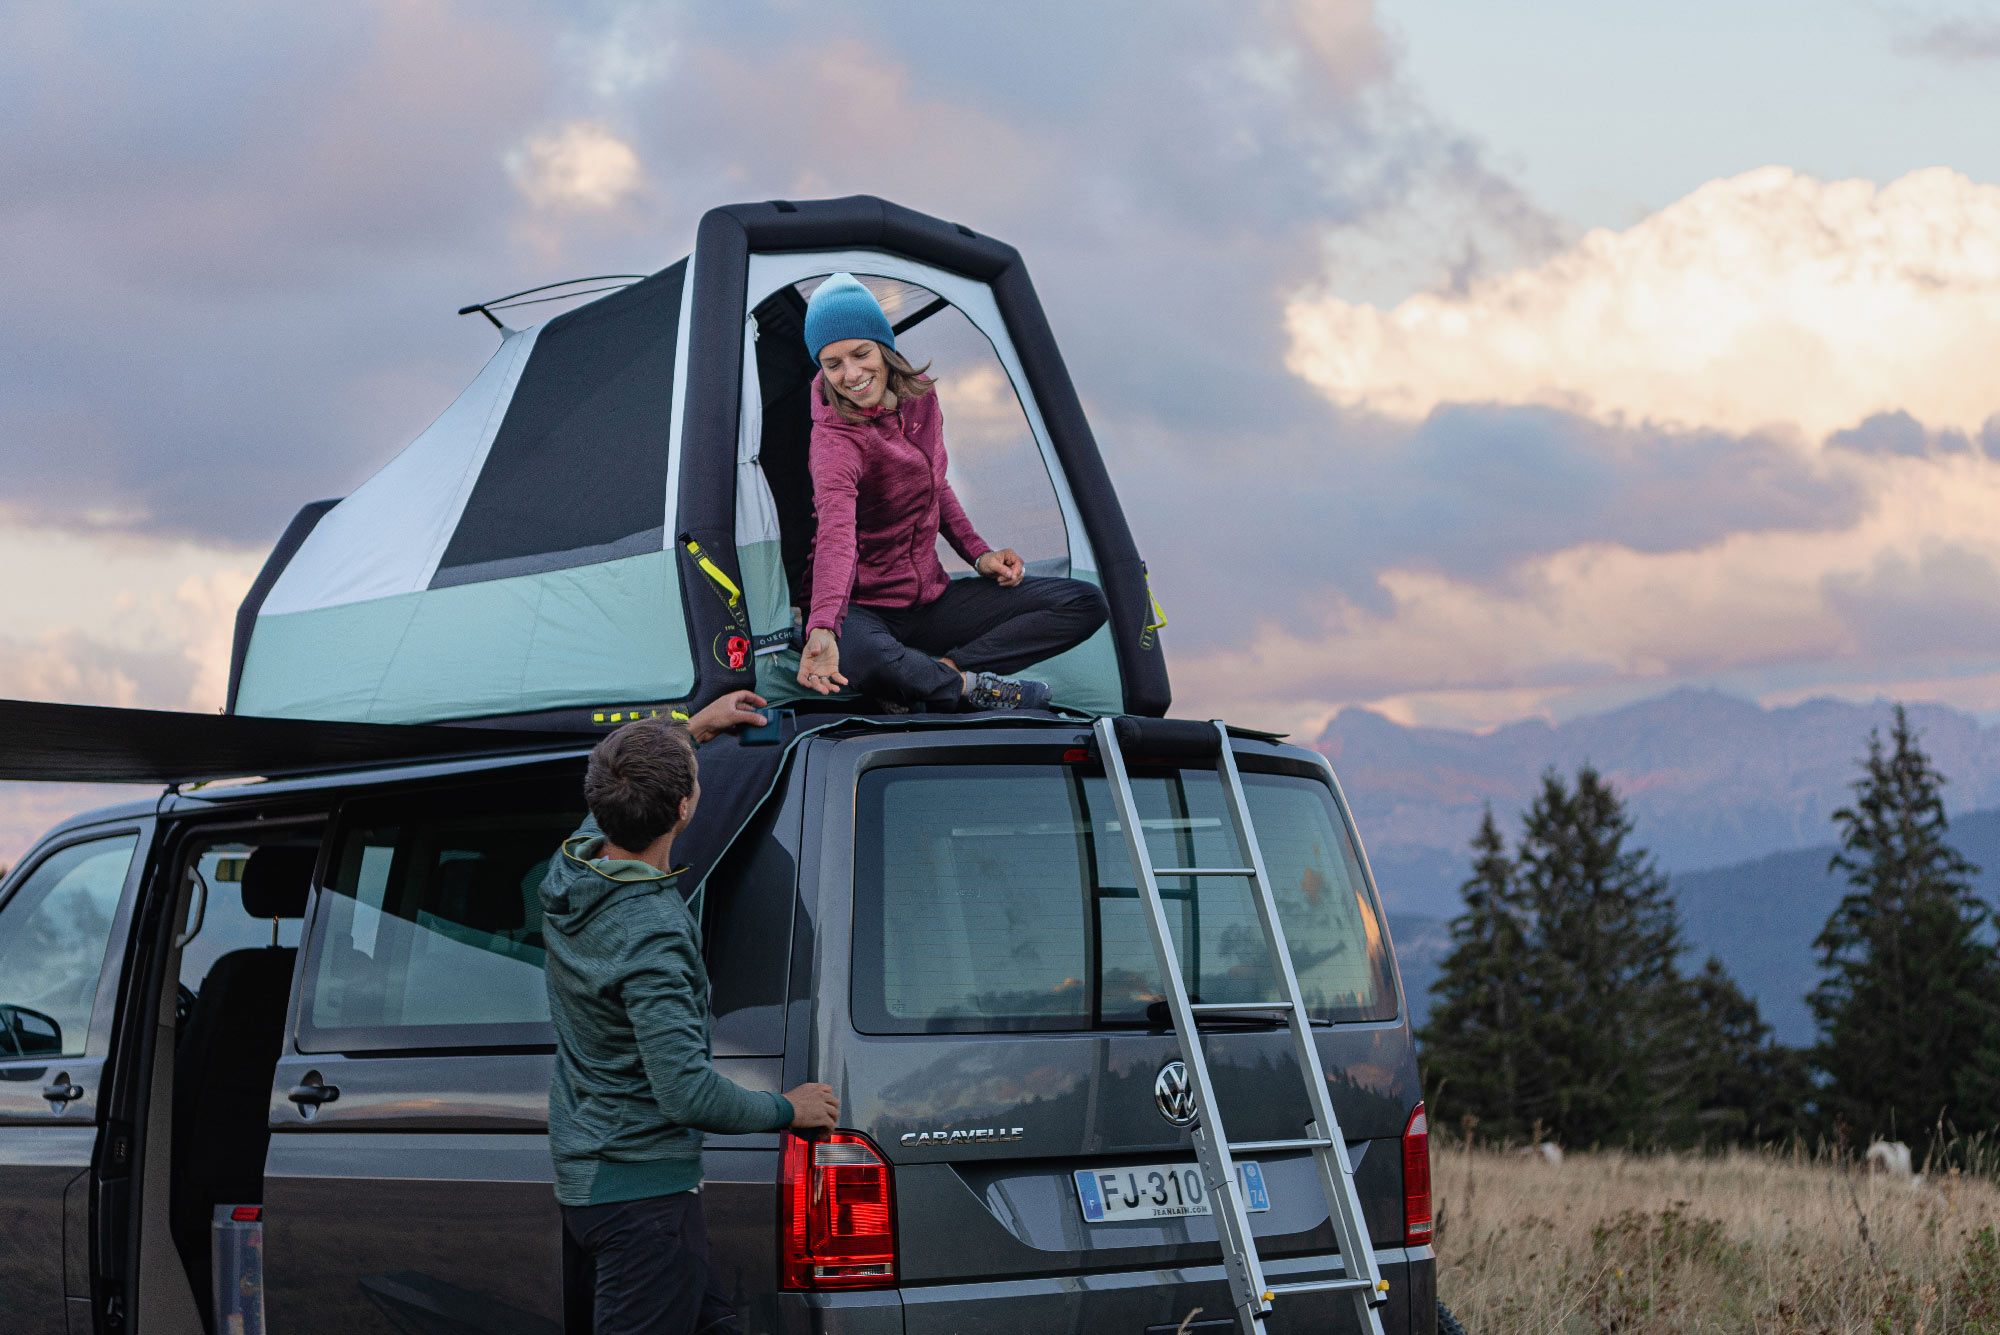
(997, 898)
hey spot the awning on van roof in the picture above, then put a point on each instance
(95, 744)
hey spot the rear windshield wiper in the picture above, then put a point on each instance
(1157, 1014)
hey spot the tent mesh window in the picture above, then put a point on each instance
(578, 471)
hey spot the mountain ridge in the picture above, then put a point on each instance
(1711, 780)
(1759, 917)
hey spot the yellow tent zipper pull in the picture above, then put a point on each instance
(713, 571)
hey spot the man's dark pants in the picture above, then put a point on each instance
(642, 1268)
(892, 653)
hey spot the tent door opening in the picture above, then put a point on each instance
(1000, 462)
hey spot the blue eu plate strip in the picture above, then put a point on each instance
(1093, 1199)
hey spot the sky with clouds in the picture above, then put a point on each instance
(1468, 361)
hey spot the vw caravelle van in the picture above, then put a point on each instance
(275, 1055)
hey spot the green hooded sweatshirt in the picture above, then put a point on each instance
(633, 1088)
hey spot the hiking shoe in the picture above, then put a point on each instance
(989, 691)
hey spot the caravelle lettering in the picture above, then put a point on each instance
(970, 1136)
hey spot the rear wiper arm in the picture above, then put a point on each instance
(1158, 1014)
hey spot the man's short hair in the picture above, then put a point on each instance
(637, 779)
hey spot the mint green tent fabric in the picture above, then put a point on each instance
(609, 633)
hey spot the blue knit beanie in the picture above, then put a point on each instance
(842, 308)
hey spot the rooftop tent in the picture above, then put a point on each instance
(613, 517)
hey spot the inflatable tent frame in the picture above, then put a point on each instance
(706, 448)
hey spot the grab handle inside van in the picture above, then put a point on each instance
(200, 910)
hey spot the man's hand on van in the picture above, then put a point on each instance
(814, 1108)
(725, 712)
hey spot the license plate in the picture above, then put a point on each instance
(1158, 1191)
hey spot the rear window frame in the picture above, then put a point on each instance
(1252, 757)
(403, 805)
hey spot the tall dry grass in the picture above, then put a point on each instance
(1743, 1241)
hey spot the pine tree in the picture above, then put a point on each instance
(1607, 1056)
(1562, 1004)
(1909, 1008)
(1747, 1088)
(1473, 1037)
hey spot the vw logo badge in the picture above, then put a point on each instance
(1172, 1092)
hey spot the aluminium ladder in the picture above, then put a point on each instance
(1361, 1276)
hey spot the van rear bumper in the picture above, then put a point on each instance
(1126, 1302)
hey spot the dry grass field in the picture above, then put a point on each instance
(1787, 1244)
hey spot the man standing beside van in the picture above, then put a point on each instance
(634, 1088)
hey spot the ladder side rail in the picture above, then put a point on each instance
(1239, 1251)
(1335, 1170)
(1336, 1180)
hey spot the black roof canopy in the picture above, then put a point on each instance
(96, 744)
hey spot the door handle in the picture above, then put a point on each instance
(63, 1092)
(309, 1095)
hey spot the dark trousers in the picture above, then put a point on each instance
(642, 1268)
(892, 653)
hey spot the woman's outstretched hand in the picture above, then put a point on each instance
(1002, 566)
(819, 663)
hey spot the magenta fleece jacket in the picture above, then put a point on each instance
(880, 491)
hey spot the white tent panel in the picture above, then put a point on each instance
(387, 537)
(756, 512)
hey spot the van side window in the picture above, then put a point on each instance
(1000, 897)
(430, 934)
(747, 903)
(54, 931)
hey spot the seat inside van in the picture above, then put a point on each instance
(230, 1035)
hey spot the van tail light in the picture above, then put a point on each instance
(837, 1227)
(1417, 1178)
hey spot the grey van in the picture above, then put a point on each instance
(293, 1032)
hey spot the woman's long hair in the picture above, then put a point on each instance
(906, 382)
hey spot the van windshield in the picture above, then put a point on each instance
(1000, 897)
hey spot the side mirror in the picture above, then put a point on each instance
(28, 1033)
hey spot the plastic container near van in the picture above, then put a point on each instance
(238, 1240)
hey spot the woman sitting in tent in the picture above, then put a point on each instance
(884, 616)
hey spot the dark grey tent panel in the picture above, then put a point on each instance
(94, 744)
(289, 542)
(784, 376)
(578, 471)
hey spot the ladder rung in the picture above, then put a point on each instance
(1317, 1286)
(1276, 1008)
(1203, 871)
(1261, 1146)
